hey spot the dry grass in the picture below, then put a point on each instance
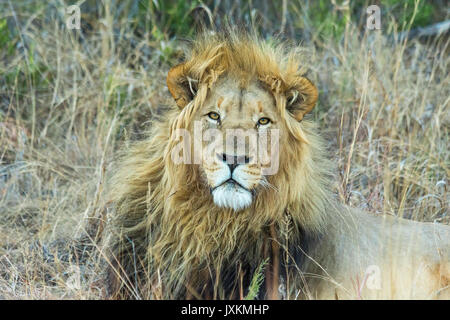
(67, 104)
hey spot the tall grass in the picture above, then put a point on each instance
(70, 99)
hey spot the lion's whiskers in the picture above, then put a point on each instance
(267, 185)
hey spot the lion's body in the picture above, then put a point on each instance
(169, 238)
(380, 257)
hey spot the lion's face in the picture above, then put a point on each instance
(239, 131)
(242, 112)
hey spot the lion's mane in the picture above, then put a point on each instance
(166, 238)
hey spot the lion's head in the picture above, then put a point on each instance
(241, 102)
(224, 168)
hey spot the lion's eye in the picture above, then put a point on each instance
(214, 116)
(263, 121)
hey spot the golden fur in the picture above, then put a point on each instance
(167, 239)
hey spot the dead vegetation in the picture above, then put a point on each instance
(69, 100)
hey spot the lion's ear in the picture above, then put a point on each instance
(301, 98)
(181, 86)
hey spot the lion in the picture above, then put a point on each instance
(191, 221)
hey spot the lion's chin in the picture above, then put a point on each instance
(232, 196)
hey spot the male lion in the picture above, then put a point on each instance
(202, 226)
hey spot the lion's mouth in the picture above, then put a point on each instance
(231, 183)
(231, 194)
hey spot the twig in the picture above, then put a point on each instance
(436, 29)
(283, 16)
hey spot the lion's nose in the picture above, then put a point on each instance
(233, 161)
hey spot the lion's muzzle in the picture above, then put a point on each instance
(232, 180)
